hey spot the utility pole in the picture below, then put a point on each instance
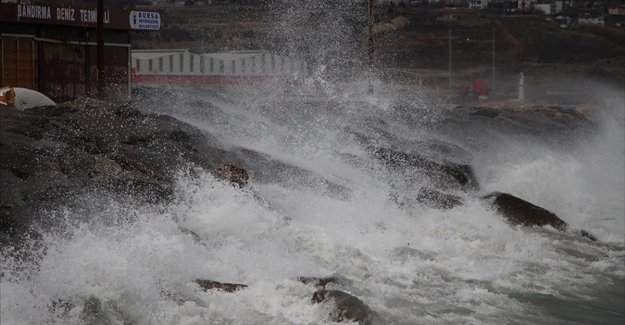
(100, 48)
(493, 68)
(449, 69)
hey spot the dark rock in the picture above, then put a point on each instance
(268, 170)
(14, 227)
(486, 112)
(585, 234)
(444, 174)
(47, 185)
(319, 282)
(348, 307)
(520, 212)
(61, 307)
(104, 166)
(214, 285)
(232, 174)
(11, 193)
(98, 312)
(438, 200)
(48, 155)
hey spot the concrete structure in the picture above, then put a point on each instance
(229, 68)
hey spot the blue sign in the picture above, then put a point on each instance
(145, 20)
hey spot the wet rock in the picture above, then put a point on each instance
(47, 186)
(347, 307)
(98, 312)
(11, 193)
(437, 199)
(486, 112)
(322, 282)
(207, 285)
(585, 234)
(520, 212)
(232, 174)
(49, 155)
(104, 166)
(268, 170)
(444, 174)
(61, 307)
(317, 282)
(15, 226)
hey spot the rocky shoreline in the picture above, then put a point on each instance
(51, 155)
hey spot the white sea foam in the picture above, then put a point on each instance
(410, 264)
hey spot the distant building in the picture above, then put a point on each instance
(52, 49)
(616, 9)
(547, 7)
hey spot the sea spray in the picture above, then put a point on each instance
(137, 262)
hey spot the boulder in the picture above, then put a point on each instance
(347, 307)
(585, 234)
(49, 155)
(443, 174)
(520, 212)
(207, 285)
(269, 170)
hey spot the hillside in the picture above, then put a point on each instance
(523, 43)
